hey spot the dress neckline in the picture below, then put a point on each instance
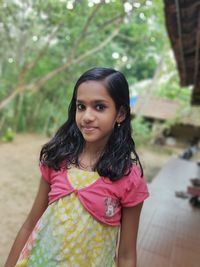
(82, 170)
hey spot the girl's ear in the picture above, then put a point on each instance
(121, 116)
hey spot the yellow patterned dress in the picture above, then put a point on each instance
(68, 236)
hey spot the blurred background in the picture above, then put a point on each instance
(47, 45)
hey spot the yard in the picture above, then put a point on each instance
(20, 177)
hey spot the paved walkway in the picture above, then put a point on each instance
(169, 233)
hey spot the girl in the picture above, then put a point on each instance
(92, 184)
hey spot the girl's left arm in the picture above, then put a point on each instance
(127, 256)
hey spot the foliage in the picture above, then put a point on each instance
(141, 131)
(169, 87)
(8, 136)
(46, 45)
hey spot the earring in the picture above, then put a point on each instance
(118, 124)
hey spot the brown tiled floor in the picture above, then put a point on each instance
(169, 234)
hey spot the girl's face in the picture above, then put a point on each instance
(96, 114)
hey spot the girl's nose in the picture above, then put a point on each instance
(88, 115)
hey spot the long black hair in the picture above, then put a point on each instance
(119, 153)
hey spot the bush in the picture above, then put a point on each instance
(8, 136)
(141, 131)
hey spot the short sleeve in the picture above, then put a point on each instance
(45, 171)
(135, 188)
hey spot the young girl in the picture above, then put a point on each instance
(92, 184)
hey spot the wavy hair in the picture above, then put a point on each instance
(68, 143)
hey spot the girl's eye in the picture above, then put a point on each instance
(100, 107)
(80, 107)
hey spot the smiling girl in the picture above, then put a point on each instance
(92, 186)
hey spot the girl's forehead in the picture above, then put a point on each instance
(92, 89)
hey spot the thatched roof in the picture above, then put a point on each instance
(162, 109)
(183, 25)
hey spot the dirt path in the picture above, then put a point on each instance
(19, 177)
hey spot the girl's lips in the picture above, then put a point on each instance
(87, 129)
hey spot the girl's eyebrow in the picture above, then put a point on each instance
(94, 101)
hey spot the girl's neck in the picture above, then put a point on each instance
(92, 150)
(89, 157)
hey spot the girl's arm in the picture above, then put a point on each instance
(128, 236)
(39, 206)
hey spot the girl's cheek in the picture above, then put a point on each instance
(77, 117)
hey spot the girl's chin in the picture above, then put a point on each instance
(96, 141)
(89, 139)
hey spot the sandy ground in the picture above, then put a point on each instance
(19, 178)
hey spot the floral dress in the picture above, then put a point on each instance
(68, 236)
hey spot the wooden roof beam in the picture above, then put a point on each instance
(197, 50)
(196, 91)
(178, 16)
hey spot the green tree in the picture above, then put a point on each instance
(46, 45)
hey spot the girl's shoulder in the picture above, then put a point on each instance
(134, 187)
(47, 171)
(134, 181)
(134, 174)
